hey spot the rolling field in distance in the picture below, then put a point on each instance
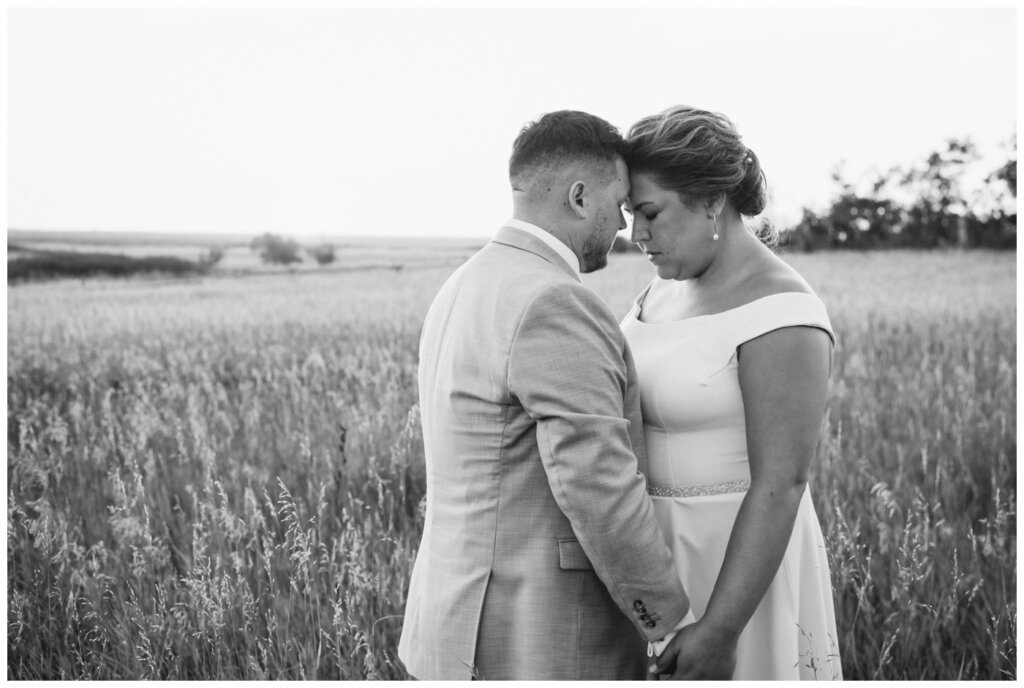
(239, 259)
(220, 478)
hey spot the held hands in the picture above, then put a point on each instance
(698, 652)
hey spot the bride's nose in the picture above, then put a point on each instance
(639, 231)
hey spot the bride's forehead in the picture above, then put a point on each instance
(643, 184)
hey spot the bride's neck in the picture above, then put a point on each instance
(735, 255)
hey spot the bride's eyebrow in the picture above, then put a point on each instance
(640, 205)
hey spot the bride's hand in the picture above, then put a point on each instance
(698, 652)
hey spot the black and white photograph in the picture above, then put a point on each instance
(526, 343)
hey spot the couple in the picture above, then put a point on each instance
(566, 535)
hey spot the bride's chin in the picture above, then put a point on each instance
(666, 273)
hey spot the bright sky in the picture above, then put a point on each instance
(400, 122)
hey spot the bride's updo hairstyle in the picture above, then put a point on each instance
(699, 155)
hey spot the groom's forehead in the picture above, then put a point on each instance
(622, 174)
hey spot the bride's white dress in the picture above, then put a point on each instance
(698, 474)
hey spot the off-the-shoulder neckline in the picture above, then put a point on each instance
(637, 308)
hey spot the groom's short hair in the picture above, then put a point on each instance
(563, 138)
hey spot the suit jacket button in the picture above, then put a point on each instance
(651, 624)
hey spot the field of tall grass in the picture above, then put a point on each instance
(220, 479)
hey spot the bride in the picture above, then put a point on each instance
(733, 351)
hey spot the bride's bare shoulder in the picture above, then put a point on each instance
(775, 277)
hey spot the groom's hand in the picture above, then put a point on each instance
(696, 653)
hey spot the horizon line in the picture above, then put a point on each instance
(235, 233)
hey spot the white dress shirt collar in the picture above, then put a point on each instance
(557, 246)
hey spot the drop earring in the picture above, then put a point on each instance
(715, 220)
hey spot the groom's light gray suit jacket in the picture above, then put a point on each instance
(541, 557)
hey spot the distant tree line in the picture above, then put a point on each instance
(276, 249)
(927, 205)
(43, 265)
(31, 264)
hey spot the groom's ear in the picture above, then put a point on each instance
(577, 199)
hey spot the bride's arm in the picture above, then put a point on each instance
(784, 380)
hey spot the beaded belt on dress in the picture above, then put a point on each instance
(699, 490)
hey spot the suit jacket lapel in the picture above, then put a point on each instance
(516, 238)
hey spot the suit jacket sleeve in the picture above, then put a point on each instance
(567, 368)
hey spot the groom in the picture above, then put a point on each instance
(541, 557)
